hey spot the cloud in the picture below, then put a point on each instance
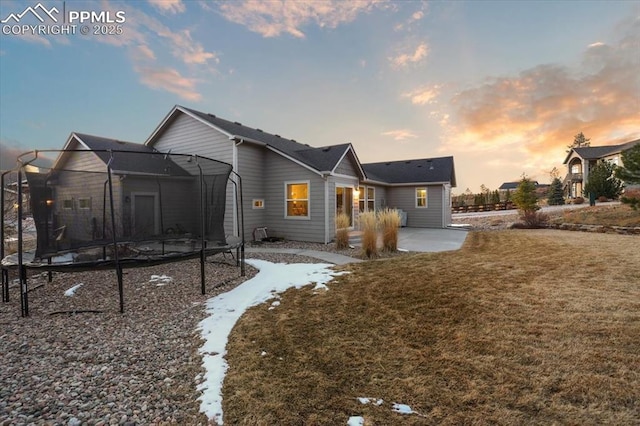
(171, 6)
(542, 108)
(273, 18)
(415, 56)
(423, 95)
(170, 80)
(529, 118)
(400, 134)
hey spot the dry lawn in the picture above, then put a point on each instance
(614, 215)
(518, 327)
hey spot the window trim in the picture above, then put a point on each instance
(257, 204)
(363, 198)
(65, 201)
(287, 199)
(426, 197)
(81, 201)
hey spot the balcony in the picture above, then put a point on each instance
(573, 177)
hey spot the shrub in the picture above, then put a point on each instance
(534, 219)
(389, 222)
(369, 234)
(342, 231)
(602, 199)
(578, 200)
(632, 198)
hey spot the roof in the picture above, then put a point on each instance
(323, 159)
(427, 170)
(597, 152)
(104, 148)
(514, 185)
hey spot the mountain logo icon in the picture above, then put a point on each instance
(38, 11)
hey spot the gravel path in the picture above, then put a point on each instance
(108, 368)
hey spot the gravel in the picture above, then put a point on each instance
(67, 364)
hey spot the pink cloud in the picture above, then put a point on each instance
(273, 18)
(414, 56)
(400, 134)
(171, 6)
(170, 80)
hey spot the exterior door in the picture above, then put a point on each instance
(144, 215)
(344, 202)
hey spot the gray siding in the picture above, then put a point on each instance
(281, 170)
(251, 162)
(404, 198)
(85, 180)
(186, 135)
(347, 166)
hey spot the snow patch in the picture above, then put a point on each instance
(356, 421)
(72, 291)
(225, 310)
(160, 280)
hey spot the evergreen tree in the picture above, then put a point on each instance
(630, 171)
(495, 197)
(555, 195)
(601, 181)
(579, 141)
(524, 197)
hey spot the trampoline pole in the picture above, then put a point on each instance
(115, 239)
(5, 272)
(202, 230)
(24, 299)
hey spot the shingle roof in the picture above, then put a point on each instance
(321, 159)
(148, 164)
(514, 185)
(412, 171)
(596, 152)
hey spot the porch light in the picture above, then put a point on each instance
(49, 202)
(356, 194)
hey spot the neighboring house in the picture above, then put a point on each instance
(580, 161)
(295, 190)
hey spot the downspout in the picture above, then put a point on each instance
(237, 142)
(327, 238)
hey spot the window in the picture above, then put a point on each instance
(575, 168)
(67, 204)
(361, 195)
(84, 203)
(297, 195)
(421, 197)
(366, 198)
(371, 198)
(258, 203)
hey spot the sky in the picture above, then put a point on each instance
(502, 86)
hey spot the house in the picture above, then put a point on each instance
(581, 160)
(295, 190)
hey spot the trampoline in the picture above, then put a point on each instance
(116, 209)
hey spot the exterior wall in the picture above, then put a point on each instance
(404, 197)
(446, 192)
(347, 166)
(251, 167)
(186, 135)
(279, 170)
(87, 182)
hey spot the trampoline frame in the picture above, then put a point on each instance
(117, 262)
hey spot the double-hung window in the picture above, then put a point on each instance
(421, 198)
(297, 200)
(366, 198)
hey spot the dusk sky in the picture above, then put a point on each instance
(502, 86)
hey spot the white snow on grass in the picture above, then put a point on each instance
(70, 292)
(225, 309)
(356, 421)
(402, 408)
(364, 400)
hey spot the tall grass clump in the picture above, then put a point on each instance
(342, 231)
(369, 234)
(389, 222)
